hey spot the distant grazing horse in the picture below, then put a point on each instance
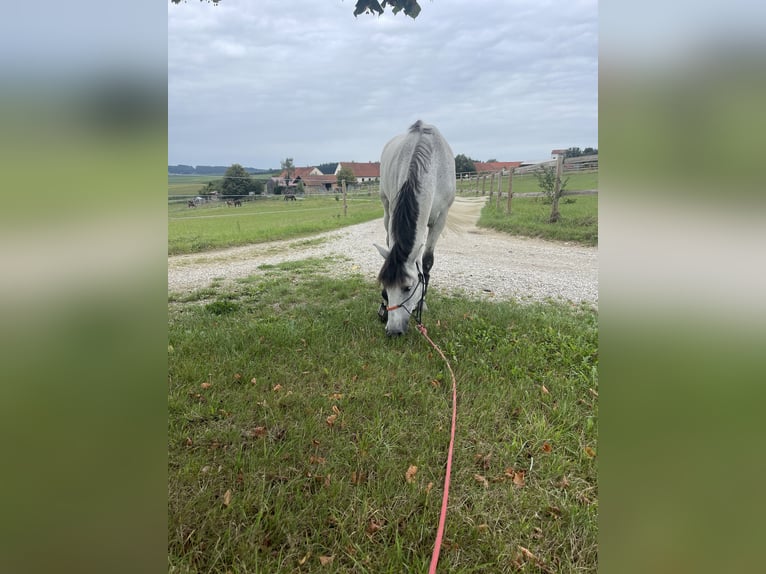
(237, 203)
(417, 188)
(191, 203)
(290, 196)
(229, 203)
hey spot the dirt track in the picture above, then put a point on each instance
(478, 262)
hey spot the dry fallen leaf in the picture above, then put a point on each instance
(335, 409)
(546, 447)
(325, 560)
(316, 459)
(481, 479)
(594, 392)
(254, 380)
(331, 420)
(277, 388)
(205, 385)
(527, 554)
(563, 483)
(429, 486)
(374, 526)
(590, 452)
(410, 474)
(302, 561)
(336, 396)
(237, 376)
(544, 389)
(518, 478)
(227, 498)
(553, 511)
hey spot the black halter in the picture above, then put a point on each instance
(417, 311)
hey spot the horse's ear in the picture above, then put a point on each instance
(382, 250)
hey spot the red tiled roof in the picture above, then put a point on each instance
(319, 179)
(301, 172)
(495, 166)
(370, 169)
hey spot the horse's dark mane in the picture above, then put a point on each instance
(405, 214)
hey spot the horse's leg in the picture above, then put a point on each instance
(434, 232)
(384, 200)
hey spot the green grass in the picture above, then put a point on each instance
(529, 217)
(215, 226)
(286, 393)
(528, 183)
(193, 184)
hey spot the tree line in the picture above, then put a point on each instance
(236, 183)
(182, 169)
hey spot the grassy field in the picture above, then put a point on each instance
(190, 185)
(293, 422)
(528, 183)
(215, 226)
(529, 217)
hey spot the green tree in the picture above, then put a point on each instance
(546, 181)
(288, 166)
(345, 174)
(464, 164)
(236, 182)
(411, 8)
(209, 188)
(257, 186)
(493, 160)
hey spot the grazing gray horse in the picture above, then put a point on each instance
(417, 188)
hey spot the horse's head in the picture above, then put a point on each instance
(402, 294)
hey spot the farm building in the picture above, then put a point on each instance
(316, 181)
(495, 166)
(369, 171)
(301, 172)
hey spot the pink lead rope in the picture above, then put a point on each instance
(445, 497)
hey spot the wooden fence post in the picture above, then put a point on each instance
(499, 189)
(555, 215)
(483, 184)
(491, 186)
(510, 191)
(345, 206)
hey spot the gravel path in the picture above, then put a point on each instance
(477, 262)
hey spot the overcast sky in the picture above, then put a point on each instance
(256, 82)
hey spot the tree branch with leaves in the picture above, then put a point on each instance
(410, 8)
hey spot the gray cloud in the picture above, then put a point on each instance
(256, 82)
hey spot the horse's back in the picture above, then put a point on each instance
(397, 155)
